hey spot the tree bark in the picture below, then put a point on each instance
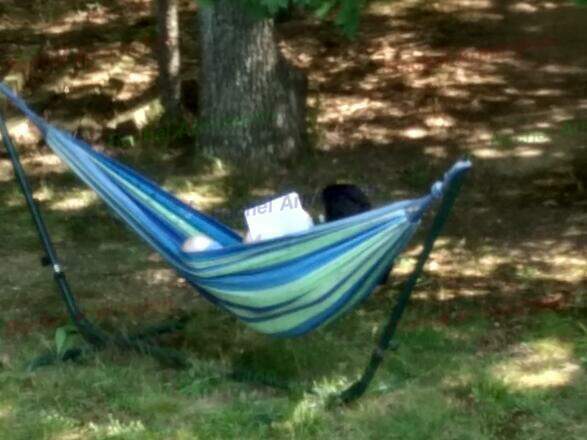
(168, 55)
(251, 101)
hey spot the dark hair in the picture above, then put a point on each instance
(344, 200)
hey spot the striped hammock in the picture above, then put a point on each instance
(286, 286)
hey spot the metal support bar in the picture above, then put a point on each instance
(94, 336)
(90, 333)
(453, 184)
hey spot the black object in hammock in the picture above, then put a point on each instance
(344, 200)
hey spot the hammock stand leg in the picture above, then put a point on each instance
(386, 339)
(96, 338)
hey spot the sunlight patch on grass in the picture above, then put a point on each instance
(546, 363)
(305, 411)
(517, 152)
(141, 115)
(437, 151)
(115, 427)
(5, 411)
(154, 277)
(75, 200)
(526, 266)
(332, 385)
(122, 78)
(201, 199)
(489, 153)
(341, 107)
(13, 198)
(97, 15)
(457, 5)
(569, 268)
(87, 80)
(6, 173)
(440, 121)
(415, 133)
(205, 192)
(527, 152)
(22, 131)
(306, 417)
(523, 7)
(47, 161)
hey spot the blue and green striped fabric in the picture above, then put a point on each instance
(286, 286)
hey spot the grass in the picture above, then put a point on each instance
(440, 384)
(494, 344)
(463, 370)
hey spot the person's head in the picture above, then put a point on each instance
(343, 200)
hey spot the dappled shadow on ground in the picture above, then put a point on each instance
(424, 83)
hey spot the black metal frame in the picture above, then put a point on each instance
(96, 338)
(386, 339)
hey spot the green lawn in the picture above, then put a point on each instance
(465, 380)
(484, 350)
(494, 342)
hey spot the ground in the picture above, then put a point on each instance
(494, 343)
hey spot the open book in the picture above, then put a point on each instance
(276, 218)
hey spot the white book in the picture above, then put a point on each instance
(276, 218)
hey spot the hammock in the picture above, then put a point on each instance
(286, 286)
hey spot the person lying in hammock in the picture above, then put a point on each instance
(285, 215)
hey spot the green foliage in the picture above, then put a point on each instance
(346, 13)
(65, 338)
(348, 16)
(273, 6)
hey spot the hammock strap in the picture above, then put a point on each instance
(450, 189)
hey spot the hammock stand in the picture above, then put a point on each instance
(98, 339)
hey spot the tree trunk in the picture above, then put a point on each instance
(168, 56)
(251, 101)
